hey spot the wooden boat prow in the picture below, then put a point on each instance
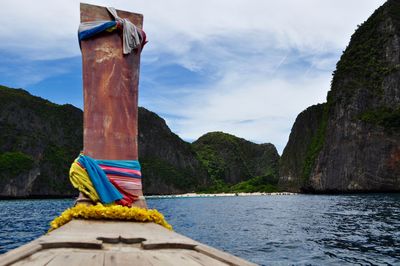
(110, 83)
(96, 242)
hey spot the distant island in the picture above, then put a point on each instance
(349, 144)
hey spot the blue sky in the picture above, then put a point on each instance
(242, 67)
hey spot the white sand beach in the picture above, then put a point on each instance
(197, 195)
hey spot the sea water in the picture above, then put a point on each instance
(277, 230)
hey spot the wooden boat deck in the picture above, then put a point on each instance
(94, 242)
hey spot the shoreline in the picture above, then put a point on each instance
(210, 195)
(169, 196)
(203, 195)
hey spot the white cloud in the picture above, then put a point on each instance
(48, 28)
(269, 59)
(261, 110)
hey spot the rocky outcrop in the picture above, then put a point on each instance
(232, 160)
(357, 145)
(295, 160)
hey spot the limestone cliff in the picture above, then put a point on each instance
(357, 144)
(38, 141)
(304, 135)
(233, 160)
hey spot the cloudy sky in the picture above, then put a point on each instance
(239, 66)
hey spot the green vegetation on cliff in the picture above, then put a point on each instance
(14, 163)
(266, 183)
(158, 171)
(40, 139)
(306, 140)
(363, 63)
(237, 165)
(386, 117)
(315, 146)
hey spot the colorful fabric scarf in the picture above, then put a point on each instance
(132, 36)
(107, 181)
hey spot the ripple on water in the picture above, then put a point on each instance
(283, 230)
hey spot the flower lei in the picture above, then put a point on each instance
(113, 212)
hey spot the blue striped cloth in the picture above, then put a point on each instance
(106, 191)
(130, 164)
(95, 28)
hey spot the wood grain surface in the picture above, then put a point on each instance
(110, 90)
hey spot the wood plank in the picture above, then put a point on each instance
(167, 245)
(19, 253)
(77, 258)
(222, 256)
(179, 257)
(204, 260)
(94, 244)
(159, 259)
(92, 12)
(110, 89)
(88, 230)
(125, 258)
(39, 258)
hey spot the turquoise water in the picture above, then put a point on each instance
(283, 230)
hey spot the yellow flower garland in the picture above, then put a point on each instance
(113, 212)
